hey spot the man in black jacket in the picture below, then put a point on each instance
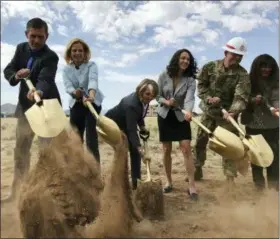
(131, 112)
(33, 59)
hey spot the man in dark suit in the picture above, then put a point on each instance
(33, 59)
(131, 112)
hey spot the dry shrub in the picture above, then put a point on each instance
(61, 191)
(117, 209)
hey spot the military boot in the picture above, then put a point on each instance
(198, 174)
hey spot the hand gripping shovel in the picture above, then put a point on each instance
(222, 141)
(272, 108)
(259, 151)
(106, 127)
(46, 117)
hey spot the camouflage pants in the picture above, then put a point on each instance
(229, 167)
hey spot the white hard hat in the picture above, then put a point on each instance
(236, 45)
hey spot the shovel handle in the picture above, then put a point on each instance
(199, 124)
(148, 171)
(89, 105)
(31, 87)
(92, 110)
(234, 123)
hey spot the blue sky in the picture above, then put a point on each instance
(134, 40)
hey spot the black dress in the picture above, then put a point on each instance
(171, 129)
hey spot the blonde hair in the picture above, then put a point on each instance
(147, 83)
(67, 54)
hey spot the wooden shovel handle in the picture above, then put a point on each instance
(31, 87)
(90, 107)
(92, 110)
(149, 178)
(234, 123)
(199, 124)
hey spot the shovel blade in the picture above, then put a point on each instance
(260, 152)
(112, 138)
(234, 146)
(109, 130)
(47, 120)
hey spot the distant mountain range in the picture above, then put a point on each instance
(9, 109)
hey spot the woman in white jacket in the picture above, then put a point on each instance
(80, 76)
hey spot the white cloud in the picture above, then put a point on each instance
(127, 60)
(202, 61)
(7, 53)
(62, 30)
(210, 36)
(28, 10)
(228, 4)
(244, 24)
(253, 6)
(59, 50)
(120, 77)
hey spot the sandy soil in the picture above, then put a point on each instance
(243, 213)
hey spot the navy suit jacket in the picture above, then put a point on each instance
(42, 74)
(128, 114)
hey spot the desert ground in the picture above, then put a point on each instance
(238, 214)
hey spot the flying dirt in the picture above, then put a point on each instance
(62, 190)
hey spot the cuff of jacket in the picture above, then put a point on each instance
(41, 93)
(12, 80)
(160, 99)
(189, 108)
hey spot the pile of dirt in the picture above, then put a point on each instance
(61, 191)
(150, 199)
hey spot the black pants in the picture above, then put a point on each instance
(82, 119)
(272, 138)
(135, 165)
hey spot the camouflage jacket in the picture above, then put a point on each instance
(231, 85)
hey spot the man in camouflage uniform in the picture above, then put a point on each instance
(221, 83)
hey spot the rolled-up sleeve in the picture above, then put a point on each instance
(190, 96)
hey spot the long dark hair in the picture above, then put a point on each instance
(173, 67)
(255, 73)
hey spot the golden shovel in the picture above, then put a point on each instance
(106, 127)
(46, 117)
(222, 141)
(259, 151)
